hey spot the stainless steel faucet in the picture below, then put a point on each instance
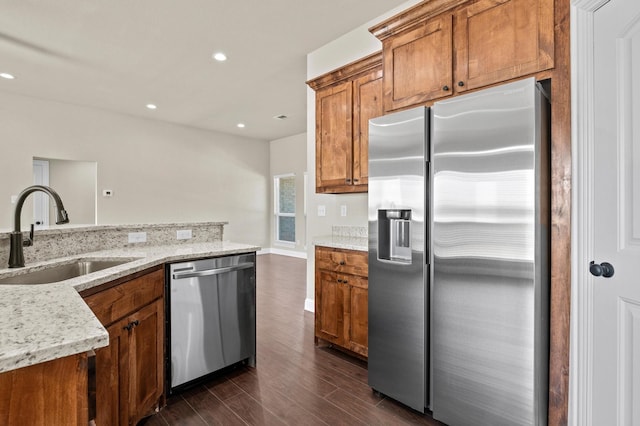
(16, 254)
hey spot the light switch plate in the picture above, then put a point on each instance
(322, 211)
(137, 237)
(343, 210)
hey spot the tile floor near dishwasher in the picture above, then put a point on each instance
(294, 382)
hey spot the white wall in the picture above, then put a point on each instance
(159, 172)
(348, 48)
(75, 182)
(289, 155)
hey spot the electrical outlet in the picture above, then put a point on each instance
(137, 237)
(322, 210)
(107, 193)
(184, 234)
(343, 210)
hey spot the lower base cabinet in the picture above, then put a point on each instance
(52, 393)
(129, 372)
(341, 298)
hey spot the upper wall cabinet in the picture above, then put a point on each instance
(345, 101)
(418, 63)
(443, 47)
(497, 40)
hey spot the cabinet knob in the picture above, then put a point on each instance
(461, 83)
(339, 280)
(445, 88)
(345, 281)
(342, 263)
(355, 180)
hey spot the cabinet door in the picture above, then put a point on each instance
(359, 315)
(112, 379)
(367, 103)
(145, 360)
(332, 297)
(497, 40)
(418, 64)
(334, 137)
(49, 393)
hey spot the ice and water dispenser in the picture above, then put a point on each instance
(394, 235)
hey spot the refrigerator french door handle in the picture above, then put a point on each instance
(427, 210)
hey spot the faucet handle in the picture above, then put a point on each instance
(29, 242)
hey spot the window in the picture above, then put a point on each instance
(285, 208)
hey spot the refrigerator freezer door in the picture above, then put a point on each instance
(397, 263)
(490, 278)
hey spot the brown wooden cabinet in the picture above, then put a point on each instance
(345, 101)
(440, 48)
(496, 41)
(52, 393)
(418, 64)
(129, 372)
(341, 298)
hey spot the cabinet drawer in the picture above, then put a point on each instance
(117, 302)
(354, 281)
(344, 261)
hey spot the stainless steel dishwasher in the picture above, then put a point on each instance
(211, 316)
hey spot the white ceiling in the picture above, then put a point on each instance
(119, 55)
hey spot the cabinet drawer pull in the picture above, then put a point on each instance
(445, 88)
(461, 83)
(132, 324)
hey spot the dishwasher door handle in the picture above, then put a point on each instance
(216, 271)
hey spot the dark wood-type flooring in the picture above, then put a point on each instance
(294, 382)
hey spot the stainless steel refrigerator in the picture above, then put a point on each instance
(458, 256)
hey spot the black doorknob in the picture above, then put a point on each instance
(604, 269)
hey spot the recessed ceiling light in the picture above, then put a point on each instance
(220, 57)
(151, 106)
(240, 125)
(7, 76)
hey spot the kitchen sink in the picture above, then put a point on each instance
(64, 271)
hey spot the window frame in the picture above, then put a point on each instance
(276, 210)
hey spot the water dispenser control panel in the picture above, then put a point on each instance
(394, 235)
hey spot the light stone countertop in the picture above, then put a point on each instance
(343, 242)
(73, 227)
(42, 322)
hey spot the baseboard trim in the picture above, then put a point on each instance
(309, 305)
(290, 253)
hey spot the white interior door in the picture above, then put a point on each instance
(40, 200)
(616, 214)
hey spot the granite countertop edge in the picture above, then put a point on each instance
(43, 322)
(342, 242)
